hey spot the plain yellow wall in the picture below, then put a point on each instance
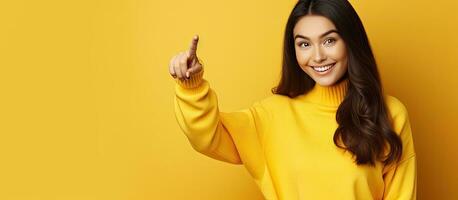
(86, 106)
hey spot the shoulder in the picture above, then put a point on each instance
(271, 104)
(398, 113)
(396, 108)
(274, 100)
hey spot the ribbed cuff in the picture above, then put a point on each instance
(194, 80)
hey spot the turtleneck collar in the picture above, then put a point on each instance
(327, 95)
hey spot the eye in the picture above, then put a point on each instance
(307, 44)
(329, 41)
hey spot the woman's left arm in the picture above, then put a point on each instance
(401, 179)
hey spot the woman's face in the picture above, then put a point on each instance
(320, 51)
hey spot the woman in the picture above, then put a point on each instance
(327, 132)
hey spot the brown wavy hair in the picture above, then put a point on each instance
(365, 128)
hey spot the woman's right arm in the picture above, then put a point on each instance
(233, 137)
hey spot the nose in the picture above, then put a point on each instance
(318, 55)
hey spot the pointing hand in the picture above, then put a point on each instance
(185, 64)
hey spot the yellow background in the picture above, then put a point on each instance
(86, 105)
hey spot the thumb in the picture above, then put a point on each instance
(194, 70)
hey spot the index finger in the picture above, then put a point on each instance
(193, 48)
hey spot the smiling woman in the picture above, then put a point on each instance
(327, 127)
(323, 55)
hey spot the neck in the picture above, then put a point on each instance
(328, 95)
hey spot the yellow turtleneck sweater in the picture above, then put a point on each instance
(286, 144)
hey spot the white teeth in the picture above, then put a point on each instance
(322, 69)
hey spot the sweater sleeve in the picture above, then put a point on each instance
(401, 178)
(232, 137)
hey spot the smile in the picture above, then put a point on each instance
(323, 68)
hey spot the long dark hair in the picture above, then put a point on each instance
(365, 127)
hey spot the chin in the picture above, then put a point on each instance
(325, 82)
(329, 80)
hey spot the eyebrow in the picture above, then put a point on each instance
(322, 35)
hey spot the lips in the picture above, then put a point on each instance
(323, 68)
